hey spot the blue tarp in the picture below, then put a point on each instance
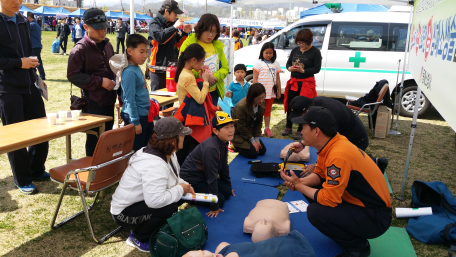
(62, 12)
(322, 9)
(124, 15)
(45, 11)
(78, 13)
(112, 15)
(193, 21)
(25, 9)
(142, 17)
(363, 8)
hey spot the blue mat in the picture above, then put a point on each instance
(227, 227)
(240, 169)
(322, 245)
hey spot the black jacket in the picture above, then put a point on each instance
(164, 40)
(15, 43)
(63, 30)
(208, 160)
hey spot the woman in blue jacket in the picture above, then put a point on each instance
(78, 31)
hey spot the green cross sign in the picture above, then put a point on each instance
(357, 59)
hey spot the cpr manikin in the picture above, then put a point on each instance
(269, 218)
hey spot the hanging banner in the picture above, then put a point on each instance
(253, 23)
(432, 55)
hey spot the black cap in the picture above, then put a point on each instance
(240, 67)
(298, 106)
(317, 116)
(172, 5)
(95, 18)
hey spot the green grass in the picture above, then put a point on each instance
(25, 220)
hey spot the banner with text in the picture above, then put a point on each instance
(253, 23)
(432, 55)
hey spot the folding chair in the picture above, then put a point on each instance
(370, 108)
(94, 174)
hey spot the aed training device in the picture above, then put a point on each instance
(254, 161)
(170, 74)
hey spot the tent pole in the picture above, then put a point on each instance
(205, 10)
(415, 115)
(412, 135)
(132, 16)
(231, 21)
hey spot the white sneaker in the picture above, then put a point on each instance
(64, 53)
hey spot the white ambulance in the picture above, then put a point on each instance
(351, 64)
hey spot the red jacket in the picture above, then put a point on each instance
(90, 78)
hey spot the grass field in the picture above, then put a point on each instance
(25, 220)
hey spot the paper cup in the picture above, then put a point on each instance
(62, 117)
(75, 114)
(52, 118)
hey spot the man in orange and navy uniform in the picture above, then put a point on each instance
(165, 37)
(349, 200)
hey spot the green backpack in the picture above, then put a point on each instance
(185, 231)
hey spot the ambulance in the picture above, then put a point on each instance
(358, 49)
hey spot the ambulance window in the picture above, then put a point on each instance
(397, 37)
(359, 36)
(318, 32)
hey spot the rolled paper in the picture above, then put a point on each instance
(413, 212)
(207, 198)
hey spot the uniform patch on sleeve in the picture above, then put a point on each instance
(333, 172)
(333, 182)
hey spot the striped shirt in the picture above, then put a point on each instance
(267, 75)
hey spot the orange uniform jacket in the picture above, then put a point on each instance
(350, 176)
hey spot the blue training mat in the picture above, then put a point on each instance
(240, 169)
(228, 225)
(322, 245)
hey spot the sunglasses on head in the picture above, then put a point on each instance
(98, 18)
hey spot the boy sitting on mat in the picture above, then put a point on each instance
(209, 160)
(349, 200)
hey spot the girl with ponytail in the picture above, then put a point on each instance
(196, 109)
(191, 59)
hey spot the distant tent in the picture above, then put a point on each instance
(142, 17)
(321, 9)
(112, 15)
(193, 21)
(78, 13)
(363, 8)
(124, 16)
(45, 11)
(62, 12)
(25, 9)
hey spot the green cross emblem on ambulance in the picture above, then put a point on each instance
(357, 59)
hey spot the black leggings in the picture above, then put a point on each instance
(252, 153)
(142, 220)
(224, 192)
(349, 225)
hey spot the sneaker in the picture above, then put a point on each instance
(365, 252)
(268, 132)
(286, 132)
(382, 163)
(298, 135)
(64, 53)
(28, 189)
(132, 241)
(43, 177)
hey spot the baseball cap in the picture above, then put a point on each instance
(172, 5)
(170, 127)
(298, 106)
(95, 18)
(221, 118)
(317, 116)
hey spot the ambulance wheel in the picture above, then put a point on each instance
(249, 78)
(408, 100)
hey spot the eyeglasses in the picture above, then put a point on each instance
(98, 18)
(301, 43)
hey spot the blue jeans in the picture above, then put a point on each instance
(147, 130)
